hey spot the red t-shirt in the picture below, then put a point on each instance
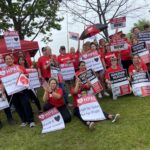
(132, 68)
(126, 54)
(75, 58)
(108, 56)
(42, 61)
(110, 70)
(79, 72)
(78, 95)
(63, 59)
(56, 102)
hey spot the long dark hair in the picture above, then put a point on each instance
(26, 65)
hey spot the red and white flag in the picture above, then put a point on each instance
(74, 36)
(23, 81)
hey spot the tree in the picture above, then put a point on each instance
(93, 11)
(140, 24)
(30, 17)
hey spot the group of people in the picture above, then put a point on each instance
(57, 91)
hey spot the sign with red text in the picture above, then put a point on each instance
(2, 63)
(118, 22)
(118, 45)
(92, 78)
(141, 50)
(74, 36)
(90, 109)
(67, 71)
(92, 61)
(120, 84)
(34, 81)
(12, 40)
(51, 121)
(140, 84)
(9, 77)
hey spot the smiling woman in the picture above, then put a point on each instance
(53, 97)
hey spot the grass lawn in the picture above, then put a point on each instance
(132, 132)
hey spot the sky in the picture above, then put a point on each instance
(60, 37)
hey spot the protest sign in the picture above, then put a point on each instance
(3, 101)
(120, 84)
(143, 36)
(118, 45)
(12, 40)
(90, 76)
(56, 73)
(74, 36)
(51, 120)
(9, 77)
(93, 61)
(90, 109)
(34, 81)
(140, 84)
(141, 50)
(118, 22)
(67, 71)
(23, 81)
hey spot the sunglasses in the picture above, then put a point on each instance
(113, 59)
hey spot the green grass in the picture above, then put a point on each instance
(132, 132)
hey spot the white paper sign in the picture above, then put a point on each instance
(90, 109)
(9, 82)
(51, 121)
(118, 22)
(33, 78)
(67, 71)
(12, 40)
(92, 61)
(3, 103)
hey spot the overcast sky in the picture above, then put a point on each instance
(60, 37)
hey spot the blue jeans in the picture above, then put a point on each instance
(65, 94)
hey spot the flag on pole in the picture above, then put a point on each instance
(74, 36)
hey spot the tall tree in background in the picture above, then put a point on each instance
(30, 17)
(94, 11)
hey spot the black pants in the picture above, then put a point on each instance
(35, 98)
(126, 64)
(23, 107)
(77, 114)
(63, 110)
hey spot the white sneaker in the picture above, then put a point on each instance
(100, 95)
(23, 124)
(32, 124)
(106, 93)
(92, 125)
(115, 118)
(114, 97)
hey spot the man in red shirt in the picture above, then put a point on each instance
(44, 63)
(64, 58)
(75, 57)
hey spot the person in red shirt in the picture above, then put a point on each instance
(64, 58)
(20, 99)
(53, 97)
(137, 65)
(75, 57)
(114, 68)
(108, 55)
(44, 63)
(33, 96)
(80, 91)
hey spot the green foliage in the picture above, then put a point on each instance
(130, 133)
(140, 24)
(30, 17)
